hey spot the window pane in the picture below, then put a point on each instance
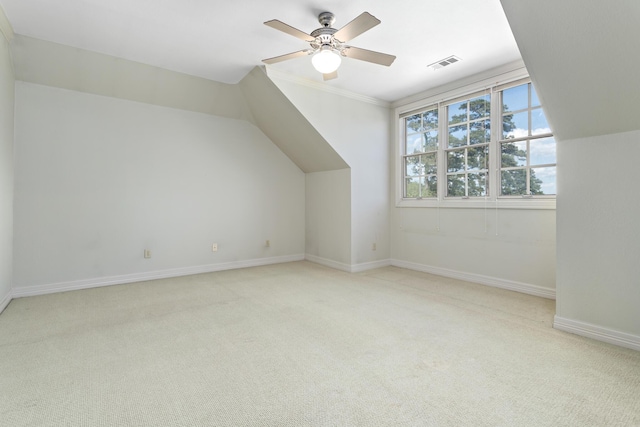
(539, 123)
(455, 161)
(414, 123)
(431, 187)
(515, 98)
(480, 132)
(431, 140)
(479, 107)
(514, 182)
(457, 112)
(412, 188)
(477, 158)
(543, 151)
(455, 186)
(517, 125)
(421, 187)
(514, 154)
(430, 119)
(414, 166)
(508, 125)
(415, 144)
(543, 180)
(457, 136)
(430, 163)
(477, 184)
(534, 97)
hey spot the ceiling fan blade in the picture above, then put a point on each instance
(362, 23)
(330, 76)
(368, 55)
(279, 25)
(285, 57)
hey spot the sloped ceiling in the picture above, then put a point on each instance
(41, 62)
(255, 99)
(285, 125)
(583, 59)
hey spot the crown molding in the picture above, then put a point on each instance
(5, 26)
(271, 72)
(496, 76)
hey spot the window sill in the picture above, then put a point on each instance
(548, 203)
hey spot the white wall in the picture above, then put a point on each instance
(100, 179)
(599, 233)
(508, 248)
(328, 218)
(504, 247)
(6, 171)
(359, 131)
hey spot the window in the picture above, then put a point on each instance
(467, 152)
(527, 146)
(421, 155)
(489, 145)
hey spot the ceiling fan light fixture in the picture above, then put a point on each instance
(326, 60)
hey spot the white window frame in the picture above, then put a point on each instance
(442, 99)
(500, 140)
(405, 155)
(444, 129)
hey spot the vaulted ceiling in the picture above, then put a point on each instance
(223, 41)
(583, 59)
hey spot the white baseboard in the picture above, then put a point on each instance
(599, 333)
(349, 268)
(525, 288)
(357, 268)
(151, 275)
(328, 262)
(4, 302)
(469, 277)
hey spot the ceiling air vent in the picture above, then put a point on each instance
(444, 62)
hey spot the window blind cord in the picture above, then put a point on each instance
(497, 177)
(440, 193)
(486, 168)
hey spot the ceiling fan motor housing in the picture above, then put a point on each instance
(324, 36)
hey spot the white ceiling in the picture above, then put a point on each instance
(223, 41)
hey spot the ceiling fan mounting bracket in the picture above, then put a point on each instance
(326, 19)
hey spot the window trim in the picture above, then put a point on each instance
(493, 85)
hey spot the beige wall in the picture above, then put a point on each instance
(6, 169)
(100, 179)
(599, 234)
(358, 129)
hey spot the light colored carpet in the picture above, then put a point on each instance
(299, 344)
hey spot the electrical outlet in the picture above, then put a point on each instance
(214, 247)
(373, 247)
(147, 253)
(268, 244)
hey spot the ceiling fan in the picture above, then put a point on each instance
(327, 45)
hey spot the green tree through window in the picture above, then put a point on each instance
(462, 149)
(467, 153)
(527, 147)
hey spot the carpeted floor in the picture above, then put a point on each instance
(300, 344)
